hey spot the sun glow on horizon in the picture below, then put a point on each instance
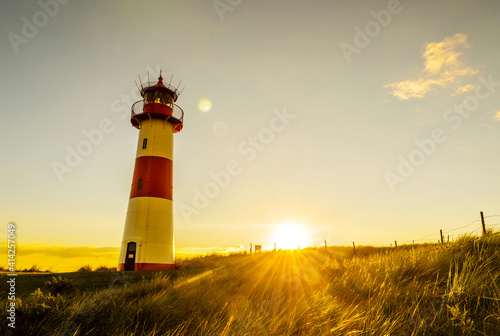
(290, 236)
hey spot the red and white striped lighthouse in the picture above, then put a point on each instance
(148, 236)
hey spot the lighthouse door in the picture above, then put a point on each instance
(130, 257)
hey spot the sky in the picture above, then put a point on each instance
(355, 121)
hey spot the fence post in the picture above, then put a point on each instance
(353, 249)
(395, 244)
(441, 234)
(326, 245)
(484, 225)
(250, 248)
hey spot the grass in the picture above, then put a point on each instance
(427, 290)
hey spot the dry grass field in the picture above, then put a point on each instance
(453, 289)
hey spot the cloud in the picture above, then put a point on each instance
(62, 258)
(497, 116)
(464, 89)
(59, 258)
(208, 250)
(239, 248)
(65, 251)
(442, 69)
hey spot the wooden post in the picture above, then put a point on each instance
(484, 225)
(441, 234)
(413, 242)
(326, 245)
(448, 238)
(395, 244)
(353, 249)
(250, 248)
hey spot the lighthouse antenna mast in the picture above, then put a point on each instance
(138, 88)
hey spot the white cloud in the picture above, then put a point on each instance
(497, 116)
(208, 250)
(66, 251)
(464, 89)
(442, 69)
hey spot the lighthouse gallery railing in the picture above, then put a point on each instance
(177, 112)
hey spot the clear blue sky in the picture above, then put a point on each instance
(359, 103)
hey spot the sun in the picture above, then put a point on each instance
(289, 236)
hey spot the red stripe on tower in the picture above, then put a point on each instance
(152, 177)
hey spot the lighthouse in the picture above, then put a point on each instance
(148, 236)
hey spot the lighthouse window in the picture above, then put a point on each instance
(166, 98)
(144, 143)
(158, 97)
(139, 184)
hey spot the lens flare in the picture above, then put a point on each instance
(204, 105)
(219, 128)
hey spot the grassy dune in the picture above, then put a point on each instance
(429, 290)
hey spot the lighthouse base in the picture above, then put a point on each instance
(149, 267)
